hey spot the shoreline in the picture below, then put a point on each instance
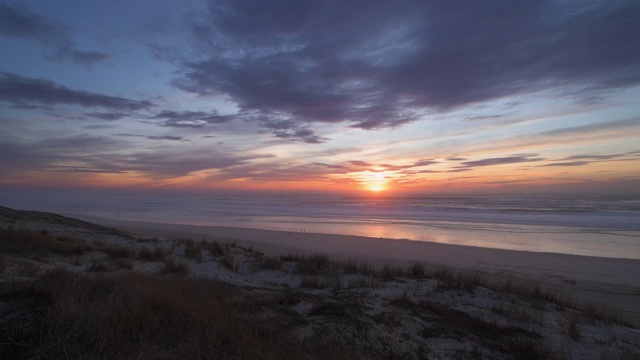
(618, 271)
(597, 281)
(433, 296)
(539, 238)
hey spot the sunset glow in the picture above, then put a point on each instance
(208, 97)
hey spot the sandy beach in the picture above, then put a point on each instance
(369, 297)
(612, 283)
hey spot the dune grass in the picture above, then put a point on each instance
(20, 241)
(133, 316)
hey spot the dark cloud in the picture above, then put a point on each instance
(360, 163)
(163, 137)
(586, 159)
(424, 162)
(109, 116)
(331, 166)
(192, 119)
(594, 127)
(521, 158)
(602, 157)
(328, 61)
(85, 58)
(289, 129)
(305, 135)
(23, 90)
(568, 163)
(99, 154)
(98, 127)
(21, 23)
(483, 117)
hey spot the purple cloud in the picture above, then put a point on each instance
(323, 61)
(191, 119)
(17, 89)
(524, 158)
(18, 22)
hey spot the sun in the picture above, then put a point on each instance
(376, 187)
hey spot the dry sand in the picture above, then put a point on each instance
(609, 282)
(402, 315)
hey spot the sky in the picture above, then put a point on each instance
(359, 96)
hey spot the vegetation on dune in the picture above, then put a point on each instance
(110, 311)
(134, 316)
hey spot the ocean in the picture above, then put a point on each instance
(593, 226)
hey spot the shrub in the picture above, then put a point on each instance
(215, 249)
(98, 266)
(417, 271)
(193, 252)
(271, 263)
(159, 254)
(389, 272)
(314, 264)
(176, 267)
(124, 263)
(572, 326)
(144, 254)
(24, 241)
(228, 261)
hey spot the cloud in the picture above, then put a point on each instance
(521, 158)
(586, 159)
(20, 90)
(191, 119)
(360, 163)
(594, 127)
(100, 154)
(300, 134)
(568, 163)
(109, 116)
(424, 162)
(21, 23)
(603, 157)
(323, 61)
(163, 137)
(331, 166)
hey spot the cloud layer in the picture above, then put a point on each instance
(380, 64)
(21, 23)
(20, 91)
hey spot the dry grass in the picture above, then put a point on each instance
(229, 262)
(321, 282)
(271, 263)
(131, 316)
(390, 272)
(572, 326)
(117, 252)
(124, 263)
(449, 279)
(173, 266)
(215, 249)
(193, 252)
(98, 266)
(353, 267)
(309, 265)
(28, 269)
(146, 254)
(22, 241)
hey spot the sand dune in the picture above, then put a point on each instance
(613, 283)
